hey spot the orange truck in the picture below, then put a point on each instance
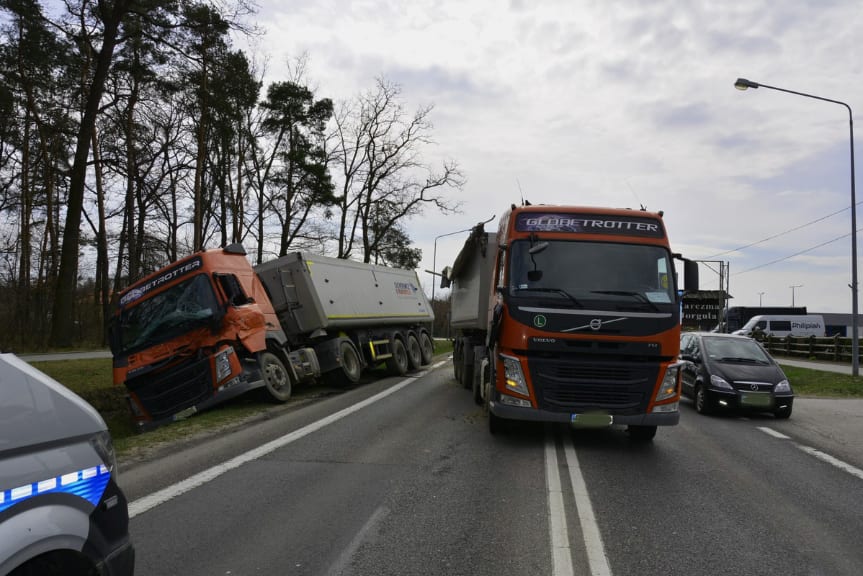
(210, 327)
(570, 314)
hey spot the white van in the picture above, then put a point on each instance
(61, 511)
(781, 326)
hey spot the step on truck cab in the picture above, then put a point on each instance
(570, 314)
(61, 511)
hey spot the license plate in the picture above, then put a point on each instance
(591, 420)
(759, 400)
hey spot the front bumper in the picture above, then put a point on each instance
(539, 415)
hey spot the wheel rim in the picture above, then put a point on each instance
(427, 348)
(699, 399)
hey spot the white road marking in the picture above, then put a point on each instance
(150, 501)
(561, 555)
(370, 528)
(831, 460)
(596, 557)
(823, 456)
(774, 433)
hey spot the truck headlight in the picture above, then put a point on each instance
(515, 381)
(223, 364)
(668, 388)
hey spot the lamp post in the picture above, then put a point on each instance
(792, 292)
(743, 84)
(434, 271)
(760, 294)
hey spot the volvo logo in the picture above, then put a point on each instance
(595, 324)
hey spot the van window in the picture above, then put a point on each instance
(780, 326)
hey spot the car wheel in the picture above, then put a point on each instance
(783, 413)
(702, 402)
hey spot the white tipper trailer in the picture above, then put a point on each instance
(353, 315)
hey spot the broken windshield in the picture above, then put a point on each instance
(165, 315)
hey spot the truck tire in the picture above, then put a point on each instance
(277, 381)
(351, 368)
(457, 360)
(397, 364)
(467, 371)
(426, 348)
(415, 358)
(477, 386)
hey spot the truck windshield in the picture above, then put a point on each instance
(592, 274)
(158, 318)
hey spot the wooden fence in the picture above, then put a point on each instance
(833, 349)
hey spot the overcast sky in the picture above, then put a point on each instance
(622, 104)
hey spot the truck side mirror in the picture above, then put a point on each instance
(445, 280)
(690, 275)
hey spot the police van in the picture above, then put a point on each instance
(61, 511)
(781, 326)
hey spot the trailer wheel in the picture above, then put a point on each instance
(426, 348)
(276, 378)
(397, 364)
(351, 368)
(414, 353)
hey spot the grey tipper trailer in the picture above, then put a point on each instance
(352, 314)
(471, 304)
(61, 511)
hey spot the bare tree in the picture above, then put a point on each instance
(385, 179)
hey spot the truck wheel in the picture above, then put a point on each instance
(397, 364)
(414, 353)
(276, 378)
(467, 371)
(477, 383)
(641, 433)
(351, 368)
(456, 361)
(426, 348)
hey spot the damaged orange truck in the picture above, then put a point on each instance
(570, 314)
(210, 327)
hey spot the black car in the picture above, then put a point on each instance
(724, 372)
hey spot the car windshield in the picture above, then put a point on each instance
(601, 274)
(735, 350)
(163, 316)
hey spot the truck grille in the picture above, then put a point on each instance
(619, 385)
(182, 386)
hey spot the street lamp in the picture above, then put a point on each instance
(760, 294)
(792, 292)
(743, 84)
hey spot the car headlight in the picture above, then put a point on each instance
(515, 381)
(783, 386)
(720, 382)
(668, 389)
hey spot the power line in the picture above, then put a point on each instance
(796, 253)
(783, 234)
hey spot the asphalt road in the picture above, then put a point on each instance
(401, 476)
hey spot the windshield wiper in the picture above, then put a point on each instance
(559, 291)
(637, 295)
(741, 359)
